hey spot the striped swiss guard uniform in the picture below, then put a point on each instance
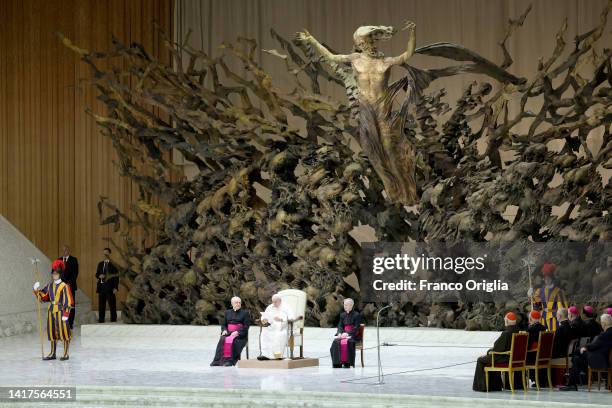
(59, 297)
(549, 298)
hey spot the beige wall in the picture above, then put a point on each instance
(54, 163)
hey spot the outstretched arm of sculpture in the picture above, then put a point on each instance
(307, 38)
(403, 58)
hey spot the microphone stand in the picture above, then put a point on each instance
(380, 372)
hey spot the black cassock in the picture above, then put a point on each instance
(240, 317)
(503, 343)
(592, 328)
(563, 336)
(534, 337)
(352, 319)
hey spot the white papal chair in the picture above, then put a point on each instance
(295, 300)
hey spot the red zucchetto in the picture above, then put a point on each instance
(535, 315)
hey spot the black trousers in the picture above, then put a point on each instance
(103, 297)
(73, 310)
(579, 365)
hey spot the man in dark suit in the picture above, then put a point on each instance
(503, 343)
(107, 286)
(594, 355)
(70, 277)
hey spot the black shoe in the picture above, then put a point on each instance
(49, 358)
(337, 365)
(64, 358)
(227, 364)
(346, 366)
(262, 358)
(569, 388)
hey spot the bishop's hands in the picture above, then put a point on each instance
(343, 336)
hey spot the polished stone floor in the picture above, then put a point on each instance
(409, 369)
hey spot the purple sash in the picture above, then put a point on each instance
(344, 344)
(229, 340)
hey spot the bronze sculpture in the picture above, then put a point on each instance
(320, 190)
(381, 131)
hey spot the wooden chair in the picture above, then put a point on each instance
(564, 363)
(608, 370)
(359, 346)
(543, 358)
(295, 300)
(517, 357)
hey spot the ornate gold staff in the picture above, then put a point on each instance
(529, 261)
(35, 262)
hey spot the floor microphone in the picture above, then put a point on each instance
(380, 372)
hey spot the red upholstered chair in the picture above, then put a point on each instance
(517, 360)
(543, 359)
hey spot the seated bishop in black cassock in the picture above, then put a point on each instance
(343, 347)
(234, 335)
(592, 327)
(594, 355)
(503, 343)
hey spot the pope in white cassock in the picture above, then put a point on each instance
(274, 337)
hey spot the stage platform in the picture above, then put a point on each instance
(284, 364)
(126, 365)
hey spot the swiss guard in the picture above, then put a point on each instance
(58, 294)
(548, 298)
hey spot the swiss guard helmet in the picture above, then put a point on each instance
(58, 266)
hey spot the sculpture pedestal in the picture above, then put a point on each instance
(286, 364)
